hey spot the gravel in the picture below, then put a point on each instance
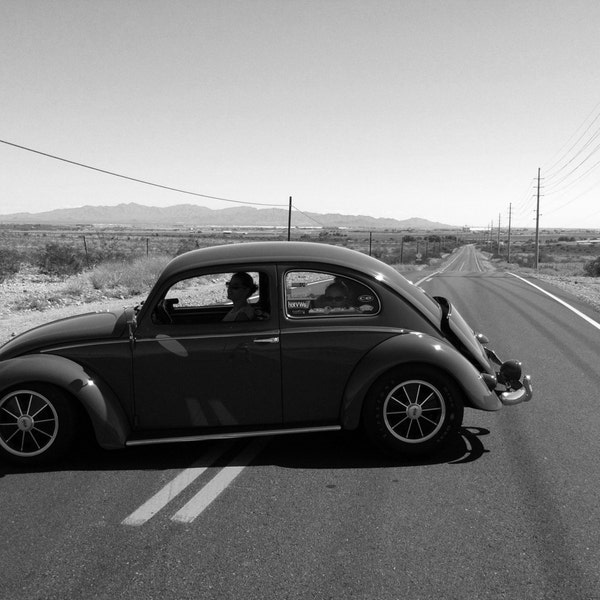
(30, 299)
(584, 288)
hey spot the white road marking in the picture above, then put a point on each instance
(571, 308)
(418, 283)
(175, 487)
(454, 259)
(218, 483)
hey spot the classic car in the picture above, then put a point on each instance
(335, 340)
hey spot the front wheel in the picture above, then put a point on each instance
(413, 411)
(37, 424)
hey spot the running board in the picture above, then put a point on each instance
(229, 436)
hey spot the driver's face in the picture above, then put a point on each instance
(236, 290)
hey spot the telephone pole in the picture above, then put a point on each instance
(537, 223)
(509, 224)
(499, 217)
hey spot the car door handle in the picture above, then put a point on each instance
(271, 340)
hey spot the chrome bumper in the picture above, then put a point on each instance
(523, 394)
(517, 387)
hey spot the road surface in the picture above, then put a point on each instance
(508, 511)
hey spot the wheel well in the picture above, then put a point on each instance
(412, 409)
(418, 365)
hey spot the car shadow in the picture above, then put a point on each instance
(339, 450)
(345, 450)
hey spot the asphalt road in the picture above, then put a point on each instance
(509, 511)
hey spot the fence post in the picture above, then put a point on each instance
(87, 258)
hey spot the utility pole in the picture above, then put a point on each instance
(290, 220)
(499, 216)
(537, 223)
(509, 224)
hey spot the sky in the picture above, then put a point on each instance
(438, 109)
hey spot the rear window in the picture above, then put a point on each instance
(319, 294)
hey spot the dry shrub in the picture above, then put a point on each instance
(592, 268)
(128, 278)
(10, 263)
(59, 259)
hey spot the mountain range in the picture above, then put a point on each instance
(199, 216)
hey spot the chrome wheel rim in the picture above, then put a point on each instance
(414, 411)
(28, 423)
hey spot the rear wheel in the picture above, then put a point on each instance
(413, 410)
(37, 424)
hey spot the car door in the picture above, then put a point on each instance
(196, 371)
(330, 320)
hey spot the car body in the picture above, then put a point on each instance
(387, 356)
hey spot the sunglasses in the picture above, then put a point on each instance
(234, 286)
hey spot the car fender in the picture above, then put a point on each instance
(108, 419)
(414, 347)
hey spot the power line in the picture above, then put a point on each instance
(143, 181)
(595, 149)
(555, 209)
(308, 216)
(579, 178)
(565, 172)
(550, 167)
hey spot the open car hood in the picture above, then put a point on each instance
(464, 338)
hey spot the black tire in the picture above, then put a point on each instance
(412, 411)
(37, 424)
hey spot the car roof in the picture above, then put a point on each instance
(255, 253)
(274, 252)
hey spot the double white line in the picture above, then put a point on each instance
(207, 494)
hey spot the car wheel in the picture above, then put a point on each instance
(412, 410)
(37, 424)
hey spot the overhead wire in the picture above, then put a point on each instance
(143, 181)
(547, 167)
(523, 206)
(308, 216)
(555, 209)
(564, 177)
(579, 178)
(570, 166)
(154, 184)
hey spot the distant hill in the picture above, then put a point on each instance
(200, 216)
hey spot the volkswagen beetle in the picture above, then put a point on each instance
(332, 339)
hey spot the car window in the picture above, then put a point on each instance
(205, 298)
(204, 290)
(316, 294)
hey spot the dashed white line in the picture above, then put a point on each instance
(218, 483)
(145, 512)
(207, 494)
